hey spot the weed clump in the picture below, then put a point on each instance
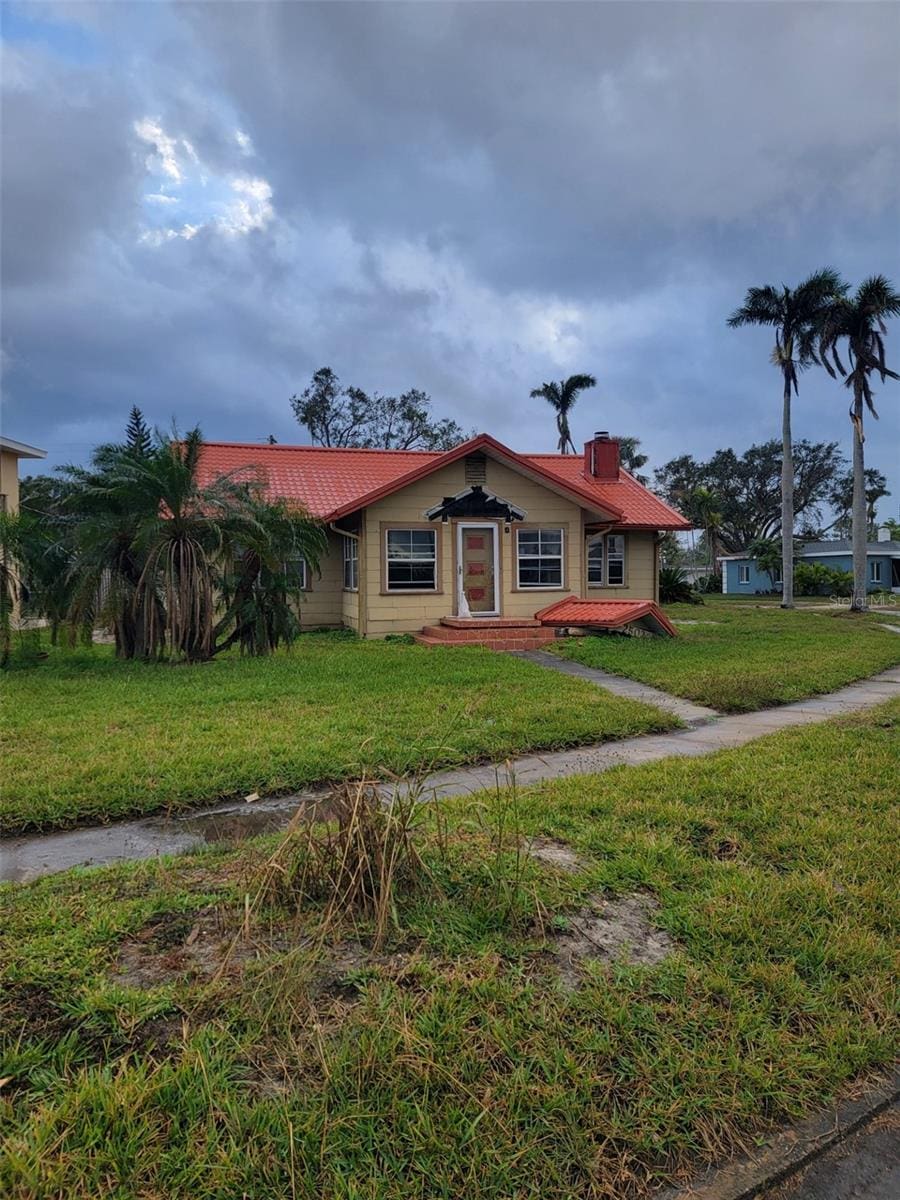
(357, 861)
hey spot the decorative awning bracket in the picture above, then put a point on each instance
(476, 501)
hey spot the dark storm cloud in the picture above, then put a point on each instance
(467, 198)
(68, 164)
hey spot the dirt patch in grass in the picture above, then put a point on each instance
(174, 947)
(555, 854)
(611, 930)
(30, 1008)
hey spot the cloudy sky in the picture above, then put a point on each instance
(203, 203)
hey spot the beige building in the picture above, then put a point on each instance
(475, 539)
(10, 453)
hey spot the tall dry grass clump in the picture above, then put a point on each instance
(356, 860)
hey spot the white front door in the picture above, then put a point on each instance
(477, 567)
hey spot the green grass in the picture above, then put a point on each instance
(454, 1064)
(752, 657)
(89, 738)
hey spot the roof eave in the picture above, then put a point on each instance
(483, 441)
(21, 449)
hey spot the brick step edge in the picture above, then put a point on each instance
(446, 633)
(486, 643)
(479, 624)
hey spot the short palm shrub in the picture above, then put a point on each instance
(674, 587)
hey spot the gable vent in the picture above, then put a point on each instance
(475, 469)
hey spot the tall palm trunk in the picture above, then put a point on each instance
(787, 500)
(860, 531)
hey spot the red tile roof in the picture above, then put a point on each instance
(332, 482)
(605, 614)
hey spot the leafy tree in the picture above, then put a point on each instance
(561, 397)
(339, 416)
(138, 438)
(631, 458)
(746, 487)
(796, 316)
(841, 499)
(671, 552)
(815, 579)
(767, 554)
(859, 323)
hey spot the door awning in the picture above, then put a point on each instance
(476, 501)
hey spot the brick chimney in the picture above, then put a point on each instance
(601, 456)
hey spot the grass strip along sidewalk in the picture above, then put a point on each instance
(88, 738)
(738, 658)
(166, 1036)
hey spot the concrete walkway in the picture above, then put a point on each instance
(721, 733)
(27, 858)
(685, 710)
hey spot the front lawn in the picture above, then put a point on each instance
(162, 1039)
(742, 657)
(89, 738)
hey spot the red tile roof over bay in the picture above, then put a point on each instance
(605, 614)
(332, 482)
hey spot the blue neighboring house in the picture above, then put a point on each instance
(741, 575)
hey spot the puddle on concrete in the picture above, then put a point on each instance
(609, 930)
(26, 858)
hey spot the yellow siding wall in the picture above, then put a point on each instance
(640, 571)
(323, 602)
(397, 613)
(542, 507)
(9, 480)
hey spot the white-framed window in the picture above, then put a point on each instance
(296, 572)
(411, 560)
(875, 571)
(351, 564)
(743, 573)
(615, 560)
(540, 558)
(595, 561)
(778, 577)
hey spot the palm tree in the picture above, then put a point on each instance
(703, 504)
(632, 459)
(562, 396)
(182, 528)
(106, 564)
(261, 584)
(796, 315)
(11, 585)
(860, 321)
